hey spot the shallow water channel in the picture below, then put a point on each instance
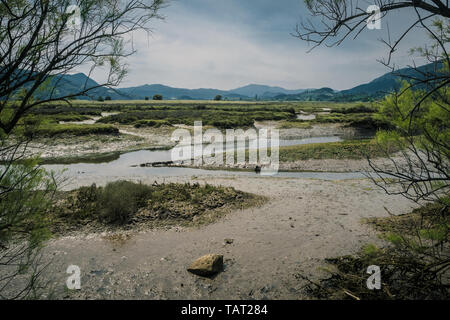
(127, 165)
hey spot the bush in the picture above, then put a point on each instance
(218, 97)
(119, 200)
(157, 97)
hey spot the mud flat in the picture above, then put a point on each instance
(304, 221)
(129, 139)
(133, 139)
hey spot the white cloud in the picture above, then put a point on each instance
(201, 48)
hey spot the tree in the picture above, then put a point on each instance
(26, 194)
(157, 97)
(108, 98)
(419, 114)
(147, 98)
(41, 41)
(218, 97)
(343, 18)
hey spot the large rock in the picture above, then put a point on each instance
(207, 265)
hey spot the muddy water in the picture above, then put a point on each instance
(306, 116)
(127, 167)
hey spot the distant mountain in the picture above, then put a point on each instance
(178, 93)
(69, 84)
(375, 89)
(263, 91)
(63, 85)
(391, 81)
(322, 94)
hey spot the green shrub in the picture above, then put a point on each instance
(119, 200)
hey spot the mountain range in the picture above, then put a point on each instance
(377, 88)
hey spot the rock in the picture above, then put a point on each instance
(207, 265)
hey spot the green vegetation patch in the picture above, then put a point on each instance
(359, 120)
(423, 219)
(151, 123)
(58, 109)
(216, 118)
(51, 130)
(294, 124)
(125, 204)
(359, 108)
(352, 149)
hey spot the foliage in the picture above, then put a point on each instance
(424, 132)
(25, 196)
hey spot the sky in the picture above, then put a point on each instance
(226, 44)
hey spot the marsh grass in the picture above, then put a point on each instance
(214, 117)
(151, 123)
(352, 149)
(294, 124)
(52, 130)
(125, 204)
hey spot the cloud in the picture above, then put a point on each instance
(227, 44)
